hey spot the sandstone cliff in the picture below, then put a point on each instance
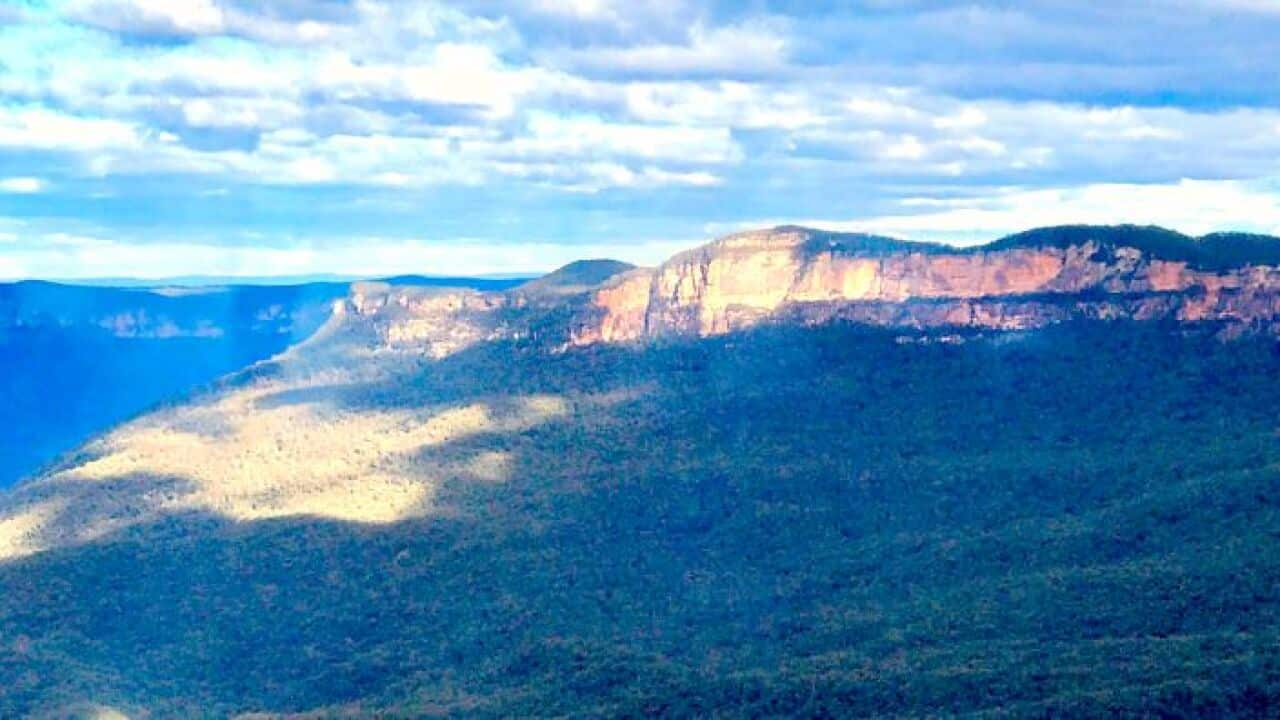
(809, 276)
(805, 276)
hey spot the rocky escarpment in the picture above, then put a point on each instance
(1025, 281)
(808, 277)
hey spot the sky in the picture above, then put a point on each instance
(155, 138)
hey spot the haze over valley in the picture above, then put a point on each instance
(75, 360)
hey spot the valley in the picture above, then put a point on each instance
(734, 493)
(76, 360)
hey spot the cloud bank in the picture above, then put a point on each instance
(295, 135)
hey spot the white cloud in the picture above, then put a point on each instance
(579, 154)
(589, 137)
(382, 123)
(176, 17)
(75, 257)
(597, 176)
(724, 104)
(966, 117)
(465, 75)
(576, 9)
(35, 128)
(22, 185)
(907, 147)
(657, 177)
(882, 110)
(1195, 207)
(240, 112)
(736, 49)
(391, 28)
(592, 95)
(913, 133)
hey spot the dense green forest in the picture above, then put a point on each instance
(832, 522)
(1217, 252)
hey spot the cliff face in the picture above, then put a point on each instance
(810, 277)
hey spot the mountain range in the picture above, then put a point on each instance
(789, 473)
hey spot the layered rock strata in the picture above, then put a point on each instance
(805, 276)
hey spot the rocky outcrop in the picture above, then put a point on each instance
(437, 321)
(808, 276)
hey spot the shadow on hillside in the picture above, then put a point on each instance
(780, 522)
(490, 370)
(70, 511)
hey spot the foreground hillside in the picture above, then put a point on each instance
(447, 504)
(790, 521)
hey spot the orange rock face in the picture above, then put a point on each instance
(794, 275)
(744, 279)
(627, 301)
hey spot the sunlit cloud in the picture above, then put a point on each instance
(177, 17)
(22, 185)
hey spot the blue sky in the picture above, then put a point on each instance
(174, 137)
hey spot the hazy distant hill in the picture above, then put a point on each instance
(75, 360)
(696, 490)
(574, 278)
